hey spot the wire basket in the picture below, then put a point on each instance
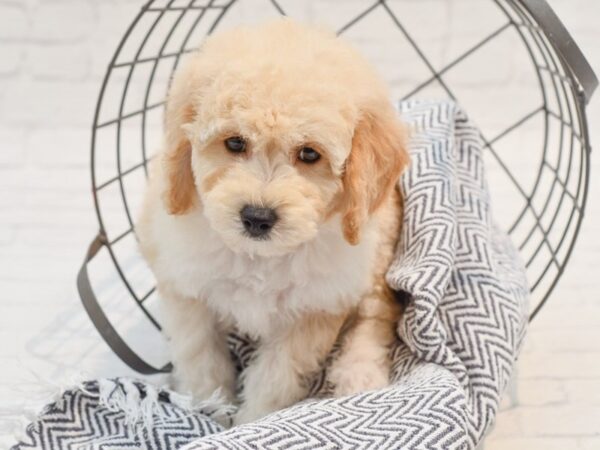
(510, 64)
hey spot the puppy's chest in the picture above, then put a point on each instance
(257, 294)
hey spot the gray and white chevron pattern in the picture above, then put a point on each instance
(103, 414)
(460, 334)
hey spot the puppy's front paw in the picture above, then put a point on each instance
(202, 388)
(351, 376)
(247, 414)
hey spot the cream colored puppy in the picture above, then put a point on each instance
(272, 211)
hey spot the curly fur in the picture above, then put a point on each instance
(280, 86)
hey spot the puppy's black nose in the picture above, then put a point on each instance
(258, 221)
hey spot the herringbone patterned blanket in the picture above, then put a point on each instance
(459, 337)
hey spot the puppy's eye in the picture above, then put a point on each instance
(235, 144)
(308, 155)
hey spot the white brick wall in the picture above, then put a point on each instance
(53, 54)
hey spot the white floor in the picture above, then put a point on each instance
(47, 220)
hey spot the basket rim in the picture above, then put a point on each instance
(570, 56)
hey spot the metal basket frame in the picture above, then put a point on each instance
(541, 32)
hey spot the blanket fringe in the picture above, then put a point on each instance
(137, 400)
(44, 391)
(143, 410)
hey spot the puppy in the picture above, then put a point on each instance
(272, 211)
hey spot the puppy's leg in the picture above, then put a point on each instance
(364, 363)
(277, 377)
(198, 345)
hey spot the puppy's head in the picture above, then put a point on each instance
(273, 131)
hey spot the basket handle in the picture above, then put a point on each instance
(564, 45)
(101, 322)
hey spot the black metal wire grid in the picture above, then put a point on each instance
(544, 225)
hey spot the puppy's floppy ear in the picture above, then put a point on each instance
(377, 158)
(180, 192)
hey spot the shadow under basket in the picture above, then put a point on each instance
(510, 64)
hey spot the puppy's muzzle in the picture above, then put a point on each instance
(258, 222)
